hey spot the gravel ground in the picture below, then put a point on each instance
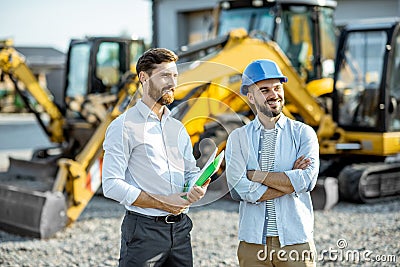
(94, 239)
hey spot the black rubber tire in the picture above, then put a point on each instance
(349, 180)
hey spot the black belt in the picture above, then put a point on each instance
(170, 218)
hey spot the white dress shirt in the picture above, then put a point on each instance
(143, 153)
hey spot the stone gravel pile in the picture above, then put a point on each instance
(370, 232)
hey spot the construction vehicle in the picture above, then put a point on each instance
(41, 196)
(299, 34)
(45, 194)
(300, 37)
(366, 107)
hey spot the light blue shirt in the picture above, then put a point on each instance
(294, 212)
(143, 153)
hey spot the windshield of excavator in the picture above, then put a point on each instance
(359, 78)
(394, 87)
(251, 19)
(108, 68)
(78, 70)
(328, 37)
(294, 32)
(296, 36)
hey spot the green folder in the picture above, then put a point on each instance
(208, 171)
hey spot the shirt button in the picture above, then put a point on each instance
(266, 218)
(259, 152)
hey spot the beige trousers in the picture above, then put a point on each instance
(254, 255)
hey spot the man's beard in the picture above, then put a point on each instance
(267, 111)
(160, 96)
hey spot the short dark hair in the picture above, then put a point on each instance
(152, 57)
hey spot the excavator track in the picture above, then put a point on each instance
(369, 182)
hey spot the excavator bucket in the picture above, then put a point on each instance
(33, 213)
(27, 204)
(23, 168)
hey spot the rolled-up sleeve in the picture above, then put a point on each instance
(305, 180)
(237, 157)
(115, 164)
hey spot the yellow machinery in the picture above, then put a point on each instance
(355, 114)
(299, 35)
(353, 106)
(43, 195)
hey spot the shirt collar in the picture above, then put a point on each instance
(257, 123)
(147, 112)
(280, 123)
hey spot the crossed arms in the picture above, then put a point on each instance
(278, 183)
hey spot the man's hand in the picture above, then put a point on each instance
(174, 203)
(278, 183)
(260, 177)
(255, 176)
(197, 192)
(301, 163)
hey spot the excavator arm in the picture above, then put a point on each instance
(13, 64)
(41, 206)
(80, 177)
(42, 196)
(214, 85)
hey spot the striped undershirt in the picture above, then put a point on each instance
(267, 160)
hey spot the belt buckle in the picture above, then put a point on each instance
(166, 219)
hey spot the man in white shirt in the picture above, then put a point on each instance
(147, 161)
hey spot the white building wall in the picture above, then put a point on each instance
(167, 20)
(348, 10)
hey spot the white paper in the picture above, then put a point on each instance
(209, 161)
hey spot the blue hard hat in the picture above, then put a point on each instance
(259, 70)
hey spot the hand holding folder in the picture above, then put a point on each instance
(211, 167)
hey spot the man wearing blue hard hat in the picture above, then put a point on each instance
(272, 165)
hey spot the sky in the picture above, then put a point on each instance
(52, 23)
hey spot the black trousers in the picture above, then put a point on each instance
(148, 242)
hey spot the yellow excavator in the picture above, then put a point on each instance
(299, 35)
(43, 195)
(348, 96)
(330, 90)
